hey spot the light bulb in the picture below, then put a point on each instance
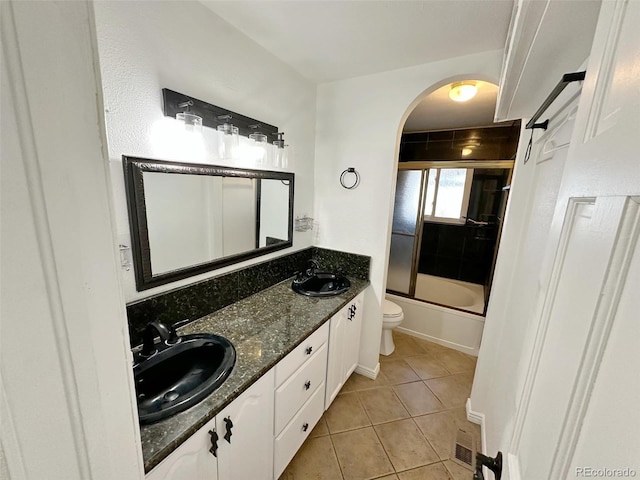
(463, 91)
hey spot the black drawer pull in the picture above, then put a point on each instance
(229, 426)
(309, 350)
(307, 385)
(305, 427)
(214, 443)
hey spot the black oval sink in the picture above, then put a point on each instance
(181, 375)
(321, 284)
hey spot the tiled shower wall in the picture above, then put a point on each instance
(199, 299)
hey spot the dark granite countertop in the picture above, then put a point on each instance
(263, 328)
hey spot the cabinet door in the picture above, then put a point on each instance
(353, 326)
(335, 361)
(191, 460)
(248, 452)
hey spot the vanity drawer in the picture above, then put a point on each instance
(297, 431)
(300, 386)
(301, 354)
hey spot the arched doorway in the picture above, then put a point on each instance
(453, 176)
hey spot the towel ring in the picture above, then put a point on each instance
(355, 183)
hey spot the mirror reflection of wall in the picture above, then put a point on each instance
(274, 199)
(182, 228)
(239, 215)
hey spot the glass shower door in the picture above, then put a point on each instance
(405, 231)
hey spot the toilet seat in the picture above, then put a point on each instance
(390, 309)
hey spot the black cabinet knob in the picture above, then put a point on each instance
(228, 426)
(305, 427)
(214, 443)
(307, 385)
(309, 350)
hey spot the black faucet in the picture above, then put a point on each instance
(312, 266)
(167, 335)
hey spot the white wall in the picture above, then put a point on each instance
(66, 388)
(147, 46)
(358, 125)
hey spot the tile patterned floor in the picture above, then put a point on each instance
(397, 427)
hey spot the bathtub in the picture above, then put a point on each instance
(455, 329)
(452, 293)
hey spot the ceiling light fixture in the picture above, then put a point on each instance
(463, 91)
(466, 151)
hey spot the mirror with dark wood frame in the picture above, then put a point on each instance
(186, 219)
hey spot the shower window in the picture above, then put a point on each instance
(447, 194)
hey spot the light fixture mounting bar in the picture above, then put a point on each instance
(211, 114)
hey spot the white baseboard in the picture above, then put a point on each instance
(439, 341)
(478, 419)
(367, 372)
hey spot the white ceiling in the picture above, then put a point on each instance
(334, 40)
(438, 112)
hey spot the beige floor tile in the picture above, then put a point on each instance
(405, 445)
(439, 428)
(426, 366)
(418, 399)
(453, 390)
(458, 472)
(359, 382)
(460, 414)
(361, 455)
(346, 413)
(406, 346)
(316, 460)
(456, 362)
(382, 405)
(437, 471)
(398, 371)
(321, 429)
(431, 347)
(388, 477)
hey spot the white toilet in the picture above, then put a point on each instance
(392, 317)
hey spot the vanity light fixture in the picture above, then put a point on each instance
(280, 157)
(191, 121)
(463, 91)
(228, 139)
(259, 144)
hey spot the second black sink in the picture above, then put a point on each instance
(181, 375)
(321, 284)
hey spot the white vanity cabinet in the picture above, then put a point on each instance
(270, 421)
(344, 347)
(248, 454)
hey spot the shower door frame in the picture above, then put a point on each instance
(425, 166)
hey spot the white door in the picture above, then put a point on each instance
(579, 407)
(335, 358)
(245, 428)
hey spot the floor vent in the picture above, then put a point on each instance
(464, 449)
